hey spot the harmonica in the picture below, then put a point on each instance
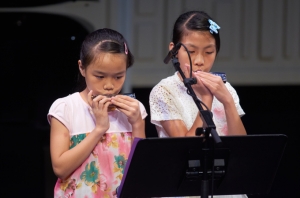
(132, 95)
(221, 74)
(113, 107)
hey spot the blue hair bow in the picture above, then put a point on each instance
(213, 27)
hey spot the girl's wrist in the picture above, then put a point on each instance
(228, 103)
(207, 101)
(138, 129)
(99, 131)
(137, 125)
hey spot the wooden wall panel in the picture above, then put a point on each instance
(260, 42)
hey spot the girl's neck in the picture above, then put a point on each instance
(84, 95)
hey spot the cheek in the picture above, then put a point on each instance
(91, 82)
(212, 59)
(183, 60)
(119, 83)
(183, 56)
(210, 64)
(90, 79)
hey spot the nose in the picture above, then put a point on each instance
(108, 85)
(199, 60)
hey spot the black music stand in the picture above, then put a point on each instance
(166, 167)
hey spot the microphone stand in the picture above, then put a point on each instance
(208, 126)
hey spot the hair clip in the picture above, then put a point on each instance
(213, 27)
(126, 49)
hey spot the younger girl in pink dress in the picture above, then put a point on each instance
(92, 130)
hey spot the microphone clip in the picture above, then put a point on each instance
(190, 81)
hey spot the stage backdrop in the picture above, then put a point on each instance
(259, 39)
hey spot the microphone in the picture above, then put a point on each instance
(172, 53)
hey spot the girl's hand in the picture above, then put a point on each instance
(216, 86)
(200, 89)
(129, 106)
(99, 107)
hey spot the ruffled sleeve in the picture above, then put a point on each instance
(61, 112)
(143, 110)
(163, 105)
(236, 99)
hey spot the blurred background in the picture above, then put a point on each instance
(39, 50)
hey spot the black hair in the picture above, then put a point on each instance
(102, 40)
(195, 21)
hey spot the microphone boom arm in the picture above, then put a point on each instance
(206, 116)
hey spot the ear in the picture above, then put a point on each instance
(81, 68)
(171, 45)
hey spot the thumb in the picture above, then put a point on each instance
(187, 69)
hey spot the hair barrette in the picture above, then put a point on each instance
(126, 49)
(213, 27)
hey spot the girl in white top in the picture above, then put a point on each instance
(92, 130)
(173, 111)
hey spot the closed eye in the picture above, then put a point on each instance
(190, 51)
(100, 77)
(119, 77)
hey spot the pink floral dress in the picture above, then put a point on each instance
(101, 173)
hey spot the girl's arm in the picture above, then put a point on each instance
(65, 160)
(215, 87)
(138, 130)
(220, 91)
(234, 123)
(177, 128)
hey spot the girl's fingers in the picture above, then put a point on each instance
(122, 99)
(129, 106)
(105, 104)
(89, 98)
(187, 70)
(99, 102)
(213, 77)
(126, 104)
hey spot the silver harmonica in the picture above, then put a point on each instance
(132, 95)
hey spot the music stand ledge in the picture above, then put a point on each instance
(167, 167)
